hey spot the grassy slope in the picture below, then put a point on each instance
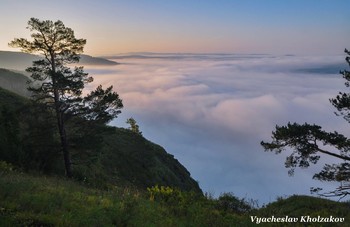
(27, 200)
(46, 201)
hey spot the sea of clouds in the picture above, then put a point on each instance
(212, 110)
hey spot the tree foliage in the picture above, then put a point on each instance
(58, 86)
(342, 101)
(102, 105)
(28, 137)
(9, 135)
(308, 142)
(133, 125)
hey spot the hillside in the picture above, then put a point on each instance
(8, 99)
(14, 82)
(137, 161)
(27, 200)
(305, 209)
(103, 155)
(299, 205)
(89, 60)
(20, 61)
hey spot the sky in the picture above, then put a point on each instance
(206, 26)
(212, 111)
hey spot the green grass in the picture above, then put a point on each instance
(36, 200)
(28, 200)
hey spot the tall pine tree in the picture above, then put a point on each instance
(58, 86)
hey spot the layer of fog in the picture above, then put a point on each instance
(212, 111)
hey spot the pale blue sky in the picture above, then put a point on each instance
(249, 26)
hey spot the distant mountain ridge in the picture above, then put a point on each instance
(20, 61)
(185, 56)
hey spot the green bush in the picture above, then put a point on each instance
(229, 203)
(6, 167)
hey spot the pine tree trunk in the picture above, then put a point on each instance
(63, 138)
(60, 122)
(64, 146)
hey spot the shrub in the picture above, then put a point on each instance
(229, 203)
(6, 167)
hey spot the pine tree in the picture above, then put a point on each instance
(57, 85)
(308, 142)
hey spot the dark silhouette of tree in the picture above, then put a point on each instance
(308, 142)
(10, 148)
(58, 86)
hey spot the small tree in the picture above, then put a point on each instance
(133, 125)
(58, 86)
(308, 142)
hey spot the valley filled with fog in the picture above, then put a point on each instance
(212, 110)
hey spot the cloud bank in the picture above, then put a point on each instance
(212, 111)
